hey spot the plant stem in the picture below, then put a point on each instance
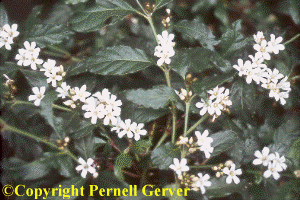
(292, 39)
(59, 50)
(167, 75)
(24, 133)
(197, 123)
(186, 118)
(162, 139)
(152, 27)
(61, 108)
(138, 2)
(54, 54)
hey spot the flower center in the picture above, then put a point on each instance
(232, 173)
(85, 166)
(39, 96)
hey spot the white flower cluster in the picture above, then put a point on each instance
(29, 55)
(274, 162)
(7, 35)
(86, 167)
(204, 143)
(131, 129)
(218, 101)
(165, 49)
(179, 167)
(257, 71)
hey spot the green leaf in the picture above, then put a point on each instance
(46, 108)
(196, 60)
(294, 152)
(243, 152)
(285, 135)
(163, 155)
(157, 97)
(223, 141)
(3, 16)
(201, 86)
(233, 40)
(140, 114)
(35, 78)
(94, 18)
(47, 34)
(291, 8)
(65, 166)
(196, 30)
(107, 179)
(140, 146)
(86, 127)
(161, 3)
(86, 146)
(123, 160)
(119, 60)
(219, 188)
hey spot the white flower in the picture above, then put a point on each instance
(282, 97)
(38, 95)
(232, 174)
(166, 39)
(114, 103)
(203, 139)
(117, 127)
(183, 94)
(264, 157)
(86, 167)
(31, 48)
(21, 57)
(279, 161)
(252, 74)
(94, 111)
(274, 75)
(284, 84)
(5, 41)
(81, 94)
(259, 37)
(216, 92)
(257, 61)
(10, 32)
(224, 97)
(215, 107)
(32, 60)
(275, 45)
(103, 97)
(111, 115)
(49, 67)
(63, 90)
(207, 149)
(242, 67)
(126, 126)
(203, 182)
(164, 53)
(138, 130)
(179, 167)
(273, 170)
(263, 50)
(204, 105)
(53, 77)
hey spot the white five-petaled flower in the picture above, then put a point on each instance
(203, 139)
(21, 57)
(63, 90)
(204, 105)
(263, 50)
(93, 110)
(138, 130)
(49, 67)
(232, 174)
(279, 161)
(81, 94)
(85, 167)
(259, 37)
(53, 78)
(33, 60)
(274, 44)
(126, 129)
(263, 157)
(117, 127)
(166, 39)
(38, 95)
(10, 32)
(111, 115)
(207, 149)
(179, 167)
(203, 182)
(273, 170)
(242, 67)
(31, 48)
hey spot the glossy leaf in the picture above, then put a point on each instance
(196, 30)
(162, 156)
